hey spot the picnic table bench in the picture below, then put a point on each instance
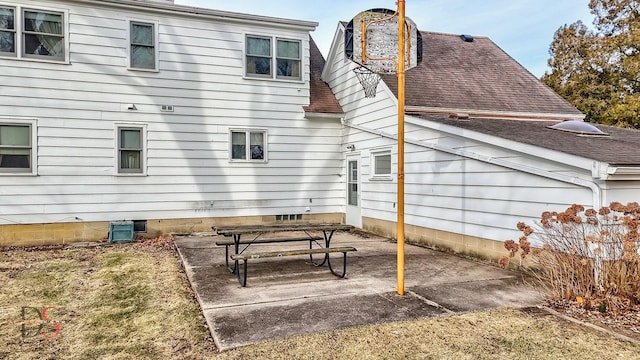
(257, 231)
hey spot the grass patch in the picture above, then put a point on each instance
(134, 302)
(112, 302)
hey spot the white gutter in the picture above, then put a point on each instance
(595, 189)
(492, 113)
(320, 115)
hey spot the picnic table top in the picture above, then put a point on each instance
(254, 229)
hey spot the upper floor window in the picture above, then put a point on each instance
(43, 34)
(15, 148)
(27, 33)
(260, 58)
(249, 145)
(7, 30)
(143, 46)
(130, 150)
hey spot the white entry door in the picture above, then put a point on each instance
(354, 216)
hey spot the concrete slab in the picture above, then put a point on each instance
(288, 296)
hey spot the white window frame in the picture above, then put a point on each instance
(14, 31)
(273, 59)
(156, 50)
(19, 32)
(247, 158)
(143, 156)
(32, 123)
(373, 171)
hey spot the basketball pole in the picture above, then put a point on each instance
(401, 81)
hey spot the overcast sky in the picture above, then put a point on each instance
(522, 28)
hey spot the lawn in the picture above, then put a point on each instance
(133, 301)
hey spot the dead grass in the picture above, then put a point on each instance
(134, 302)
(115, 302)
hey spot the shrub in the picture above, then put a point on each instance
(585, 255)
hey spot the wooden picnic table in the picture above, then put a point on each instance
(257, 232)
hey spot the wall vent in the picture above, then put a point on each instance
(289, 217)
(167, 108)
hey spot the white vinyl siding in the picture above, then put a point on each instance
(460, 191)
(187, 172)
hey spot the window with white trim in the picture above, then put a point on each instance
(7, 30)
(248, 145)
(16, 148)
(29, 33)
(261, 55)
(43, 34)
(131, 157)
(143, 49)
(381, 164)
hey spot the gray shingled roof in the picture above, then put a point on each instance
(475, 75)
(620, 148)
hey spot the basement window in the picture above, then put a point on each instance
(140, 226)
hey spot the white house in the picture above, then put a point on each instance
(178, 118)
(479, 155)
(183, 118)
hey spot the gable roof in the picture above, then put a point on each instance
(477, 75)
(620, 148)
(322, 99)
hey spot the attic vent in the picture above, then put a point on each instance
(168, 108)
(578, 127)
(466, 38)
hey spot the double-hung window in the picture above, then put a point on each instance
(288, 59)
(28, 33)
(264, 60)
(143, 53)
(16, 148)
(43, 34)
(381, 164)
(7, 30)
(130, 150)
(249, 145)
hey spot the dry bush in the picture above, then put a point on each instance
(588, 256)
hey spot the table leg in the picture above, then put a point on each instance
(327, 243)
(236, 247)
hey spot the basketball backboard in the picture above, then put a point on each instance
(371, 40)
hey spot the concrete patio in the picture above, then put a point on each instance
(288, 296)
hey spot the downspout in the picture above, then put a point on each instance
(595, 189)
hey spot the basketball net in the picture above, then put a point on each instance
(368, 79)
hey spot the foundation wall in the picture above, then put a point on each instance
(65, 233)
(472, 246)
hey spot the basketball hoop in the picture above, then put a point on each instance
(368, 79)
